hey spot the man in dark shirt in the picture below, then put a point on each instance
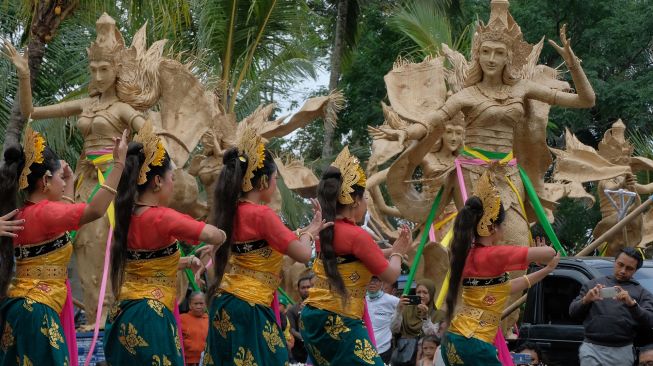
(611, 321)
(298, 352)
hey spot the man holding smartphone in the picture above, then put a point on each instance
(612, 309)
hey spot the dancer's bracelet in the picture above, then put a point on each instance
(109, 189)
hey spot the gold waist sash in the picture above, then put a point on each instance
(253, 286)
(151, 279)
(42, 272)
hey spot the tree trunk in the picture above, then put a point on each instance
(45, 22)
(336, 62)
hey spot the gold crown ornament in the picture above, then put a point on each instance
(153, 150)
(251, 145)
(352, 174)
(33, 146)
(108, 43)
(489, 195)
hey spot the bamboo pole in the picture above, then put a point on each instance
(591, 247)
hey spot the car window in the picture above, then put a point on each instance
(557, 294)
(644, 276)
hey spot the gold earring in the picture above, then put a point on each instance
(263, 183)
(157, 188)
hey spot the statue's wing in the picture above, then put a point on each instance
(640, 163)
(581, 163)
(187, 110)
(298, 178)
(416, 89)
(457, 73)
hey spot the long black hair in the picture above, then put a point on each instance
(464, 233)
(328, 192)
(228, 190)
(10, 170)
(124, 206)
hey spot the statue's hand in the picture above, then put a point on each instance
(565, 51)
(20, 61)
(385, 133)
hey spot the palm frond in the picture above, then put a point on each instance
(425, 23)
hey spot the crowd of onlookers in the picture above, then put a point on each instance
(407, 329)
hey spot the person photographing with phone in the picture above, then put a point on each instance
(415, 317)
(613, 308)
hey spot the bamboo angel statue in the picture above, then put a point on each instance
(504, 97)
(125, 83)
(614, 167)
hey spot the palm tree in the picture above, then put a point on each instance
(344, 40)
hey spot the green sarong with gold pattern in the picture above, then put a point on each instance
(31, 334)
(243, 334)
(458, 350)
(142, 332)
(333, 339)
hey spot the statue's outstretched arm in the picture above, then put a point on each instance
(64, 109)
(584, 98)
(417, 130)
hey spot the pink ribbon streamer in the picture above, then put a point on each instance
(368, 322)
(67, 317)
(499, 341)
(276, 309)
(103, 290)
(181, 336)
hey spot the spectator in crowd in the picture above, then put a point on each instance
(195, 328)
(533, 351)
(285, 323)
(299, 353)
(429, 345)
(391, 288)
(381, 307)
(611, 320)
(411, 322)
(646, 355)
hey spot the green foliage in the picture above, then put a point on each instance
(613, 38)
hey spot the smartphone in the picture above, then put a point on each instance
(608, 292)
(414, 299)
(521, 359)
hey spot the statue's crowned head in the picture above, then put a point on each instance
(614, 145)
(108, 42)
(103, 54)
(502, 36)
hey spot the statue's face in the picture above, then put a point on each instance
(103, 76)
(453, 137)
(493, 57)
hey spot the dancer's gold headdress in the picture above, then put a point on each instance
(33, 146)
(152, 148)
(251, 144)
(489, 195)
(352, 174)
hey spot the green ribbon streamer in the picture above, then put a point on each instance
(188, 271)
(284, 294)
(539, 212)
(532, 197)
(423, 240)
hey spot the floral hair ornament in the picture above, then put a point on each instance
(33, 146)
(153, 150)
(489, 195)
(352, 174)
(251, 145)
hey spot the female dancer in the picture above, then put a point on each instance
(348, 257)
(482, 265)
(141, 328)
(29, 309)
(243, 328)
